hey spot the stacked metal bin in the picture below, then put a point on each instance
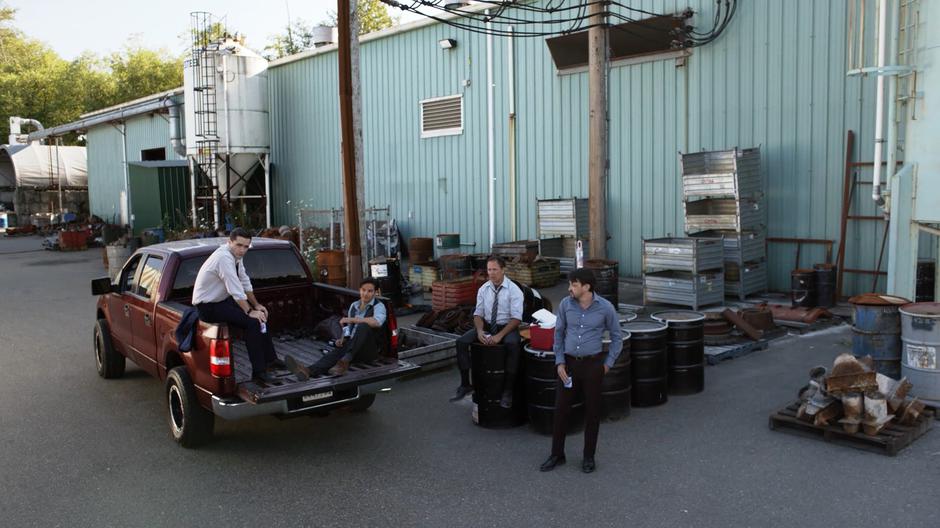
(723, 198)
(560, 224)
(683, 271)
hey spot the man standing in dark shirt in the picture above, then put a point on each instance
(579, 358)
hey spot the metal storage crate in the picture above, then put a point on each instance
(745, 246)
(426, 349)
(723, 213)
(745, 279)
(721, 161)
(683, 254)
(684, 288)
(562, 249)
(518, 248)
(738, 184)
(563, 217)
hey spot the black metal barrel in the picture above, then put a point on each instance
(541, 383)
(803, 288)
(617, 384)
(648, 363)
(825, 278)
(387, 272)
(685, 343)
(607, 276)
(488, 373)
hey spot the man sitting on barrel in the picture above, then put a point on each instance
(496, 321)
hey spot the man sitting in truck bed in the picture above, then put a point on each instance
(223, 294)
(361, 341)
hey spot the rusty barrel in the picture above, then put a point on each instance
(331, 266)
(648, 363)
(541, 386)
(421, 249)
(617, 384)
(803, 288)
(685, 345)
(488, 374)
(876, 330)
(607, 277)
(920, 335)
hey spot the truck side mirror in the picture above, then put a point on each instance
(101, 286)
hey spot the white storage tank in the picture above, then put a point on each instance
(241, 106)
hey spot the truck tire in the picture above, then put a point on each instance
(110, 362)
(363, 403)
(190, 424)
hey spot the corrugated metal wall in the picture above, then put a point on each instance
(775, 79)
(106, 159)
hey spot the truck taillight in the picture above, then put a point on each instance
(394, 339)
(220, 358)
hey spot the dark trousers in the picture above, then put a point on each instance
(361, 347)
(587, 376)
(513, 350)
(260, 347)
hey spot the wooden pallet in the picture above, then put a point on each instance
(893, 438)
(716, 354)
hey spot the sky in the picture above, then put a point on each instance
(71, 27)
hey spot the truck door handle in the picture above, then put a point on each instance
(147, 319)
(127, 311)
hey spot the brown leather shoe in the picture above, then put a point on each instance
(340, 368)
(302, 372)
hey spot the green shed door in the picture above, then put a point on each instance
(159, 194)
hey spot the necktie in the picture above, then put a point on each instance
(495, 311)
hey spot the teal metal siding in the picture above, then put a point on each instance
(776, 79)
(106, 158)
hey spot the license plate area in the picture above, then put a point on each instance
(323, 397)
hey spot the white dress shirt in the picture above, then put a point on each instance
(221, 276)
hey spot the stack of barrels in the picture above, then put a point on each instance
(541, 381)
(876, 330)
(488, 373)
(648, 362)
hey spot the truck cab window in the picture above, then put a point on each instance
(150, 276)
(129, 275)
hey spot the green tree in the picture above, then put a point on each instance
(36, 83)
(373, 16)
(296, 37)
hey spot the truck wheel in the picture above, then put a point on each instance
(363, 403)
(110, 362)
(190, 424)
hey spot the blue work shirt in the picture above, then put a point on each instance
(378, 312)
(580, 332)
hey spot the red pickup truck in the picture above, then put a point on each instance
(138, 312)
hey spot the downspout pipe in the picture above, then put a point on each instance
(879, 104)
(176, 136)
(490, 161)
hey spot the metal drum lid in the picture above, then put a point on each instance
(877, 299)
(644, 327)
(626, 317)
(678, 316)
(922, 309)
(606, 339)
(539, 353)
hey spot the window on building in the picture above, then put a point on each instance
(631, 40)
(442, 116)
(154, 154)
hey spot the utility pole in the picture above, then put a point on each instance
(351, 136)
(598, 58)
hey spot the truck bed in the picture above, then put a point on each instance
(308, 350)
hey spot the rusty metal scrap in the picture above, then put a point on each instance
(742, 325)
(876, 413)
(798, 314)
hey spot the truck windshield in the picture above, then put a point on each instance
(265, 267)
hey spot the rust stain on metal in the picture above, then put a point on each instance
(742, 325)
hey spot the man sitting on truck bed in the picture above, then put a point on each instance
(223, 294)
(361, 341)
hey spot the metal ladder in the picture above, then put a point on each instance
(204, 53)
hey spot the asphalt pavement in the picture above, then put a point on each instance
(78, 450)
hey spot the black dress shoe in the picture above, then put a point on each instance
(264, 377)
(277, 364)
(506, 401)
(552, 461)
(461, 393)
(587, 465)
(302, 372)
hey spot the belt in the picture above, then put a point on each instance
(583, 358)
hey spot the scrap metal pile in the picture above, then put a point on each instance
(855, 396)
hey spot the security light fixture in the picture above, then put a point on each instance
(447, 43)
